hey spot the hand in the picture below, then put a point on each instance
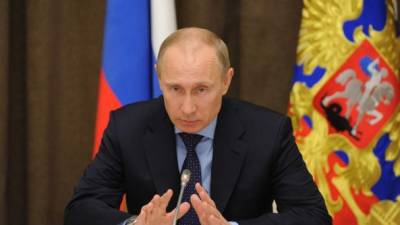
(206, 209)
(154, 213)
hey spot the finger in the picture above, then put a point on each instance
(141, 218)
(209, 210)
(165, 198)
(148, 209)
(152, 212)
(204, 195)
(156, 206)
(156, 200)
(198, 208)
(199, 188)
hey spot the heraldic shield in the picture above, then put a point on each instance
(360, 97)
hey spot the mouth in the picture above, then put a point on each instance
(189, 122)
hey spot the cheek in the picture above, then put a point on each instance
(171, 105)
(210, 104)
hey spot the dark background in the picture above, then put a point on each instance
(50, 56)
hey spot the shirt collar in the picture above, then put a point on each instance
(208, 131)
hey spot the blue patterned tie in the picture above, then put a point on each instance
(191, 163)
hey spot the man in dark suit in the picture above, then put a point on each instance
(242, 156)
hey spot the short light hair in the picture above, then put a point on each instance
(204, 36)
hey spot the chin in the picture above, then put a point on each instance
(190, 129)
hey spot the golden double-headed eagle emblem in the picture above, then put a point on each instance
(345, 107)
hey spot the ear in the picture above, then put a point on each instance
(227, 80)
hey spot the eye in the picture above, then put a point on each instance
(175, 88)
(201, 90)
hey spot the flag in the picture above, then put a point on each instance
(344, 107)
(134, 31)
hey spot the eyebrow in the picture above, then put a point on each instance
(195, 84)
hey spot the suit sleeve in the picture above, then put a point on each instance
(298, 199)
(98, 194)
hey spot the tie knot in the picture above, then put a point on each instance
(190, 140)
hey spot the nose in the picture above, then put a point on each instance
(188, 105)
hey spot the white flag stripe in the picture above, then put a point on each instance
(163, 22)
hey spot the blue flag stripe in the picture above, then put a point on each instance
(127, 53)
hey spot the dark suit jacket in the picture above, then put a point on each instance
(255, 160)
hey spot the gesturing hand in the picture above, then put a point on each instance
(206, 209)
(154, 213)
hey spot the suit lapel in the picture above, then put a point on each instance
(160, 150)
(228, 155)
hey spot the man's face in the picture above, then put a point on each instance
(193, 86)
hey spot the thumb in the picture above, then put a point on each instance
(183, 209)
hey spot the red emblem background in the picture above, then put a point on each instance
(367, 132)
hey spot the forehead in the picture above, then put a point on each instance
(189, 56)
